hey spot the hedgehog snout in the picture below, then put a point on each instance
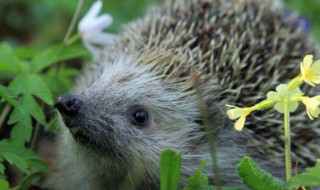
(68, 104)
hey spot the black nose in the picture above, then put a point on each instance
(68, 104)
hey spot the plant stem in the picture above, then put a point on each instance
(36, 131)
(4, 114)
(35, 136)
(211, 140)
(287, 140)
(73, 22)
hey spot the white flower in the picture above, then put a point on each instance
(91, 28)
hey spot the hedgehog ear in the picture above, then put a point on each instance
(216, 119)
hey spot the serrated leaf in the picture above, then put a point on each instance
(198, 179)
(170, 170)
(33, 108)
(31, 85)
(254, 177)
(17, 116)
(46, 58)
(27, 181)
(311, 177)
(14, 159)
(38, 164)
(55, 54)
(8, 96)
(4, 184)
(22, 131)
(20, 156)
(57, 85)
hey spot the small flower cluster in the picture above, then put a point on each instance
(289, 94)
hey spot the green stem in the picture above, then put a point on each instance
(36, 132)
(73, 22)
(211, 140)
(287, 140)
(4, 114)
(35, 135)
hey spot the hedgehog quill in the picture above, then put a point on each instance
(138, 98)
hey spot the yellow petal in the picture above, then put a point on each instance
(307, 61)
(313, 103)
(315, 113)
(309, 115)
(240, 123)
(316, 79)
(309, 82)
(316, 67)
(234, 113)
(312, 106)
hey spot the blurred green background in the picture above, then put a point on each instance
(38, 23)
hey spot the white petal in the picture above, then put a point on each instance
(94, 10)
(98, 24)
(86, 21)
(102, 38)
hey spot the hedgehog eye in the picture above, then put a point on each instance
(140, 117)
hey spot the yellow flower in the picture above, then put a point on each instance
(310, 71)
(240, 113)
(312, 106)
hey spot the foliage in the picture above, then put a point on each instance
(41, 23)
(199, 180)
(311, 177)
(170, 169)
(256, 178)
(31, 76)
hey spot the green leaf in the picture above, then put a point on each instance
(198, 180)
(16, 160)
(55, 54)
(46, 58)
(58, 85)
(22, 131)
(2, 168)
(21, 156)
(8, 61)
(210, 187)
(73, 51)
(31, 85)
(8, 95)
(25, 53)
(34, 109)
(27, 181)
(38, 164)
(256, 178)
(4, 184)
(311, 177)
(170, 170)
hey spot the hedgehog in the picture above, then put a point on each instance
(141, 96)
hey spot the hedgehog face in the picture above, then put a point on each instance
(124, 110)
